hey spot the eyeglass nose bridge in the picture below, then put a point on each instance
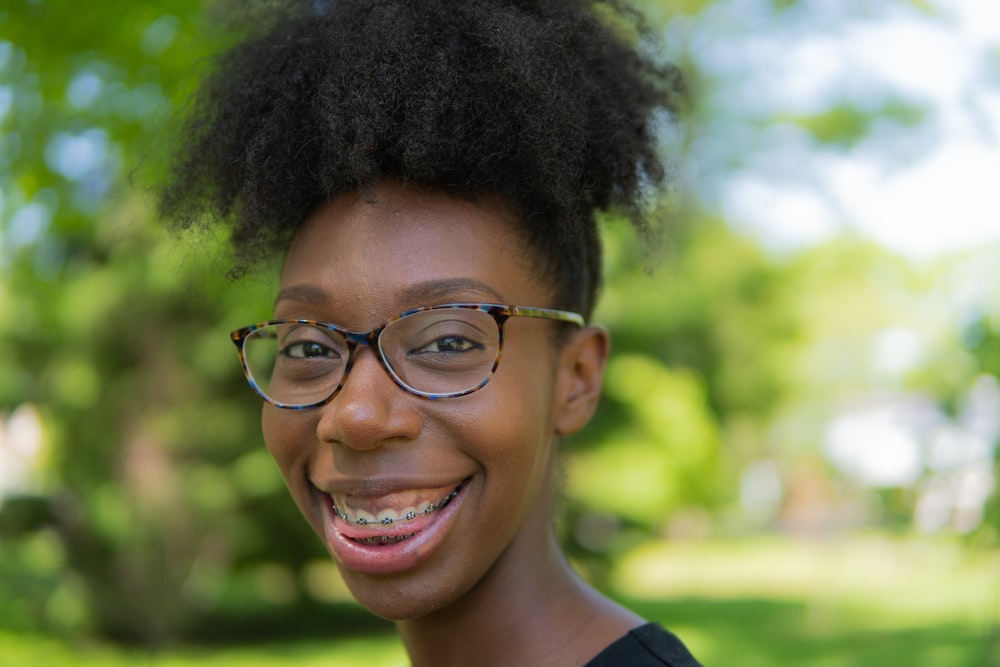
(372, 339)
(369, 339)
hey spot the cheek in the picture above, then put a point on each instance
(285, 437)
(518, 409)
(526, 383)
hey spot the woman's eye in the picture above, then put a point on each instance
(449, 344)
(306, 350)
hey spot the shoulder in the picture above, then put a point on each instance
(648, 645)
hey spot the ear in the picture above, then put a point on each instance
(580, 374)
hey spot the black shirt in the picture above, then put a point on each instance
(646, 646)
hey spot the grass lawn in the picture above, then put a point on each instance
(863, 602)
(859, 602)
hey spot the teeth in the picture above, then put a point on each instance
(383, 539)
(389, 517)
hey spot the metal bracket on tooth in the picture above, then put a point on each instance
(388, 521)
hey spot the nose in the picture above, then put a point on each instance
(370, 409)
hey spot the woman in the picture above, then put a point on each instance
(430, 173)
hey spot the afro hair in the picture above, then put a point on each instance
(538, 101)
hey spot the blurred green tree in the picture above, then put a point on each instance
(154, 486)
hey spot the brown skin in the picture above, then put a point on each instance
(496, 590)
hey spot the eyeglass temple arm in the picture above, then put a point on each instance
(549, 314)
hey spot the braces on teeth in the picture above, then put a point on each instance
(388, 521)
(383, 539)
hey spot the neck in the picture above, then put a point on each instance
(531, 608)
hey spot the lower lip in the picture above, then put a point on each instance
(392, 558)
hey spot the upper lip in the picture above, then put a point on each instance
(383, 486)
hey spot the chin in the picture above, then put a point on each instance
(388, 600)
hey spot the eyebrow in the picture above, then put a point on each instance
(419, 294)
(303, 293)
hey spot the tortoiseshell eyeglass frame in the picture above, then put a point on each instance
(499, 312)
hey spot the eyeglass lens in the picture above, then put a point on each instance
(444, 351)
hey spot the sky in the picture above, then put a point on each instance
(919, 190)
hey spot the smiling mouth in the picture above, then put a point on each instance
(378, 515)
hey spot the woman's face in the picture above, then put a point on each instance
(376, 452)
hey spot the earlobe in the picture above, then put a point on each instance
(581, 373)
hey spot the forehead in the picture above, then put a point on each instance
(375, 253)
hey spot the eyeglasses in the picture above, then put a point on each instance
(435, 352)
